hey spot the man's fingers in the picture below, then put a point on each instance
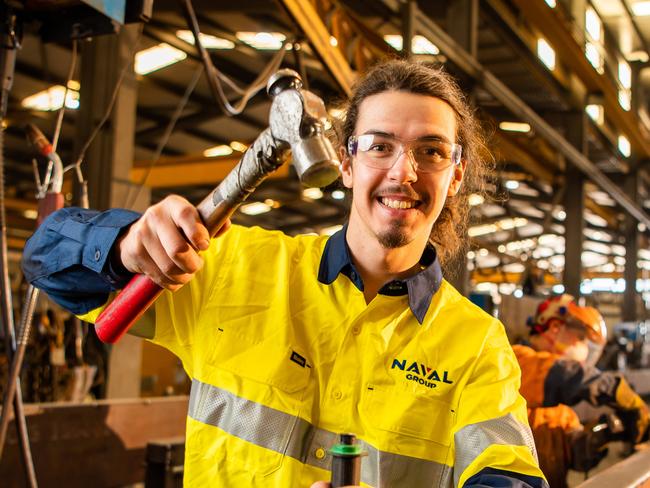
(147, 266)
(186, 218)
(179, 251)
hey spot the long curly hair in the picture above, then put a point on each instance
(448, 234)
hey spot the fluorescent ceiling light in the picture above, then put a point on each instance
(419, 44)
(515, 126)
(312, 193)
(475, 199)
(216, 151)
(592, 53)
(624, 100)
(512, 184)
(625, 74)
(208, 41)
(157, 57)
(422, 45)
(551, 3)
(52, 99)
(546, 53)
(596, 113)
(338, 194)
(641, 9)
(624, 146)
(505, 224)
(558, 289)
(262, 40)
(593, 24)
(255, 208)
(238, 146)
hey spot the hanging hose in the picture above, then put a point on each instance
(9, 46)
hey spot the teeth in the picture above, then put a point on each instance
(402, 204)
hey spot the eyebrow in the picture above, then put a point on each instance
(428, 137)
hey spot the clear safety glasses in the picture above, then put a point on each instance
(381, 151)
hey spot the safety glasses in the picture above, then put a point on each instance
(381, 151)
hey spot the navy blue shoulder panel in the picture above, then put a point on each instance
(500, 478)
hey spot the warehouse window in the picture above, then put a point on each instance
(546, 53)
(594, 39)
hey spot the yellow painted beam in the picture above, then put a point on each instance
(505, 149)
(189, 170)
(305, 15)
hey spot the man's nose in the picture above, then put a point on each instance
(404, 168)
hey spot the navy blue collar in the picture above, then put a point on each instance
(420, 288)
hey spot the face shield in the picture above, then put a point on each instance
(588, 326)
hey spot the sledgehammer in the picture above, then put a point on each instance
(297, 124)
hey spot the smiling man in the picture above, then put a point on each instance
(291, 340)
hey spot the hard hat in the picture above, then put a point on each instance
(563, 310)
(591, 320)
(551, 310)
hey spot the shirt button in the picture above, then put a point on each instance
(356, 330)
(319, 453)
(337, 394)
(98, 255)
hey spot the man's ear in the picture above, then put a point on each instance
(457, 178)
(346, 167)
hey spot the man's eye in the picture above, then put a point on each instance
(380, 147)
(431, 151)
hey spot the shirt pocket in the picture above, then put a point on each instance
(268, 381)
(408, 415)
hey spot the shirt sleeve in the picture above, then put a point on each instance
(493, 444)
(568, 382)
(67, 257)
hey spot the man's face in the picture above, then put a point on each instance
(398, 206)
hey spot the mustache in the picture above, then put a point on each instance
(402, 190)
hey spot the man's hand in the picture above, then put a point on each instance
(164, 243)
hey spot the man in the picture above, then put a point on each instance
(556, 373)
(289, 341)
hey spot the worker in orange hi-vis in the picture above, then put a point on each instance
(556, 372)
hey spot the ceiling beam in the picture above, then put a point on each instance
(172, 172)
(305, 16)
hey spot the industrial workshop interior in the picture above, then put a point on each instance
(205, 273)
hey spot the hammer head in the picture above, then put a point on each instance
(298, 118)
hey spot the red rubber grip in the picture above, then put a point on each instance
(128, 306)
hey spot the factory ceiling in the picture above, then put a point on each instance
(530, 66)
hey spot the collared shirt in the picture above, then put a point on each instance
(420, 287)
(281, 362)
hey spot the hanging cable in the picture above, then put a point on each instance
(61, 112)
(109, 108)
(213, 74)
(165, 137)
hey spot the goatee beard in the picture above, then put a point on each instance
(393, 237)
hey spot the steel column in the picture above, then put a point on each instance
(574, 206)
(109, 160)
(630, 273)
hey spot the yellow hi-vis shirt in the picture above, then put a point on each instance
(281, 363)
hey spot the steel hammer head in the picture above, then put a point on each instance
(298, 118)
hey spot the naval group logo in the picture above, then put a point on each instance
(421, 373)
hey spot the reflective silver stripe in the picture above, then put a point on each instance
(473, 439)
(297, 438)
